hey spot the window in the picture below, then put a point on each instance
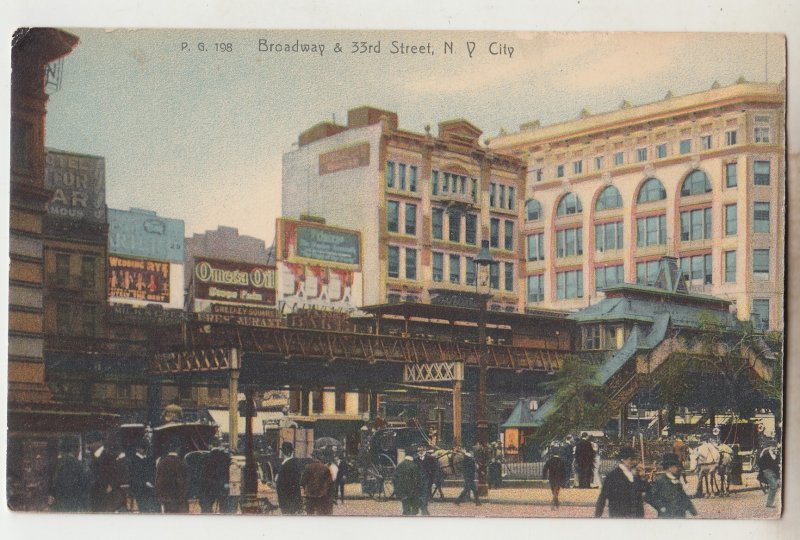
(685, 146)
(730, 267)
(608, 236)
(214, 392)
(88, 318)
(598, 163)
(591, 337)
(538, 175)
(412, 178)
(533, 210)
(474, 190)
(502, 196)
(394, 262)
(609, 198)
(434, 182)
(536, 247)
(697, 268)
(62, 268)
(560, 171)
(471, 277)
(760, 313)
(569, 242)
(647, 272)
(445, 183)
(438, 267)
(437, 221)
(509, 276)
(731, 220)
(619, 158)
(494, 233)
(705, 142)
(492, 194)
(454, 226)
(761, 173)
(761, 264)
(21, 143)
(761, 217)
(88, 264)
(340, 401)
(730, 138)
(695, 184)
(411, 263)
(652, 190)
(577, 167)
(455, 269)
(535, 288)
(494, 276)
(651, 231)
(316, 401)
(508, 240)
(761, 134)
(393, 216)
(568, 205)
(471, 229)
(569, 284)
(696, 224)
(641, 154)
(390, 174)
(185, 392)
(661, 151)
(411, 219)
(64, 318)
(608, 275)
(731, 179)
(511, 198)
(401, 175)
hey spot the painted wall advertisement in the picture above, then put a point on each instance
(315, 243)
(240, 315)
(138, 279)
(235, 282)
(143, 234)
(79, 186)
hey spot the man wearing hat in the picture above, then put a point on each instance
(584, 461)
(317, 485)
(172, 481)
(623, 488)
(408, 483)
(70, 485)
(104, 494)
(143, 478)
(288, 482)
(468, 468)
(666, 494)
(428, 467)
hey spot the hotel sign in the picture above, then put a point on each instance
(234, 282)
(344, 159)
(79, 187)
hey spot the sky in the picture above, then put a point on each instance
(199, 135)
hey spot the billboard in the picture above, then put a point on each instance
(235, 282)
(314, 243)
(239, 315)
(138, 279)
(143, 234)
(79, 186)
(344, 159)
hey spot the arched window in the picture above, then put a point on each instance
(695, 184)
(568, 205)
(533, 210)
(652, 190)
(609, 198)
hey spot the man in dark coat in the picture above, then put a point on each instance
(769, 472)
(623, 488)
(288, 482)
(408, 484)
(584, 461)
(104, 494)
(341, 478)
(666, 494)
(428, 467)
(316, 483)
(143, 479)
(213, 487)
(554, 473)
(172, 481)
(70, 485)
(567, 456)
(468, 468)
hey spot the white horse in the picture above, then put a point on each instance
(724, 469)
(704, 460)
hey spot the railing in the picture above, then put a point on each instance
(533, 470)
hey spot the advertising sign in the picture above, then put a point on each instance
(303, 241)
(138, 279)
(126, 313)
(235, 282)
(143, 234)
(240, 315)
(305, 285)
(344, 159)
(79, 186)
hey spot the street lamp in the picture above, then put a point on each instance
(250, 484)
(483, 263)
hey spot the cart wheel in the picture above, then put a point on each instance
(385, 468)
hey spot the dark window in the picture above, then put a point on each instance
(62, 268)
(761, 263)
(412, 178)
(731, 177)
(390, 174)
(761, 217)
(494, 276)
(87, 272)
(535, 288)
(608, 275)
(508, 241)
(494, 233)
(609, 198)
(730, 266)
(438, 266)
(608, 236)
(471, 229)
(411, 263)
(761, 173)
(393, 216)
(454, 226)
(455, 269)
(401, 175)
(698, 268)
(652, 190)
(533, 210)
(437, 221)
(568, 205)
(434, 182)
(509, 276)
(731, 220)
(695, 184)
(394, 261)
(411, 219)
(316, 400)
(569, 284)
(341, 402)
(536, 247)
(470, 274)
(760, 313)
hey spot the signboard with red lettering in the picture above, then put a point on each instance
(138, 279)
(234, 282)
(344, 159)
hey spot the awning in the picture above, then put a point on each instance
(262, 420)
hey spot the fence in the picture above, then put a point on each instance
(533, 470)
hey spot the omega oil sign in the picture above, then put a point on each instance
(240, 283)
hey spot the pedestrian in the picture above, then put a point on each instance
(567, 456)
(553, 471)
(437, 475)
(173, 412)
(288, 482)
(584, 461)
(214, 480)
(596, 472)
(623, 488)
(667, 494)
(143, 478)
(121, 480)
(769, 472)
(69, 487)
(408, 484)
(316, 483)
(736, 466)
(468, 469)
(104, 493)
(428, 466)
(341, 478)
(172, 481)
(330, 459)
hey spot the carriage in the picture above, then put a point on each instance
(380, 455)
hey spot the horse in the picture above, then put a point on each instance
(449, 465)
(704, 460)
(724, 469)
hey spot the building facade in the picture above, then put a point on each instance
(422, 202)
(700, 177)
